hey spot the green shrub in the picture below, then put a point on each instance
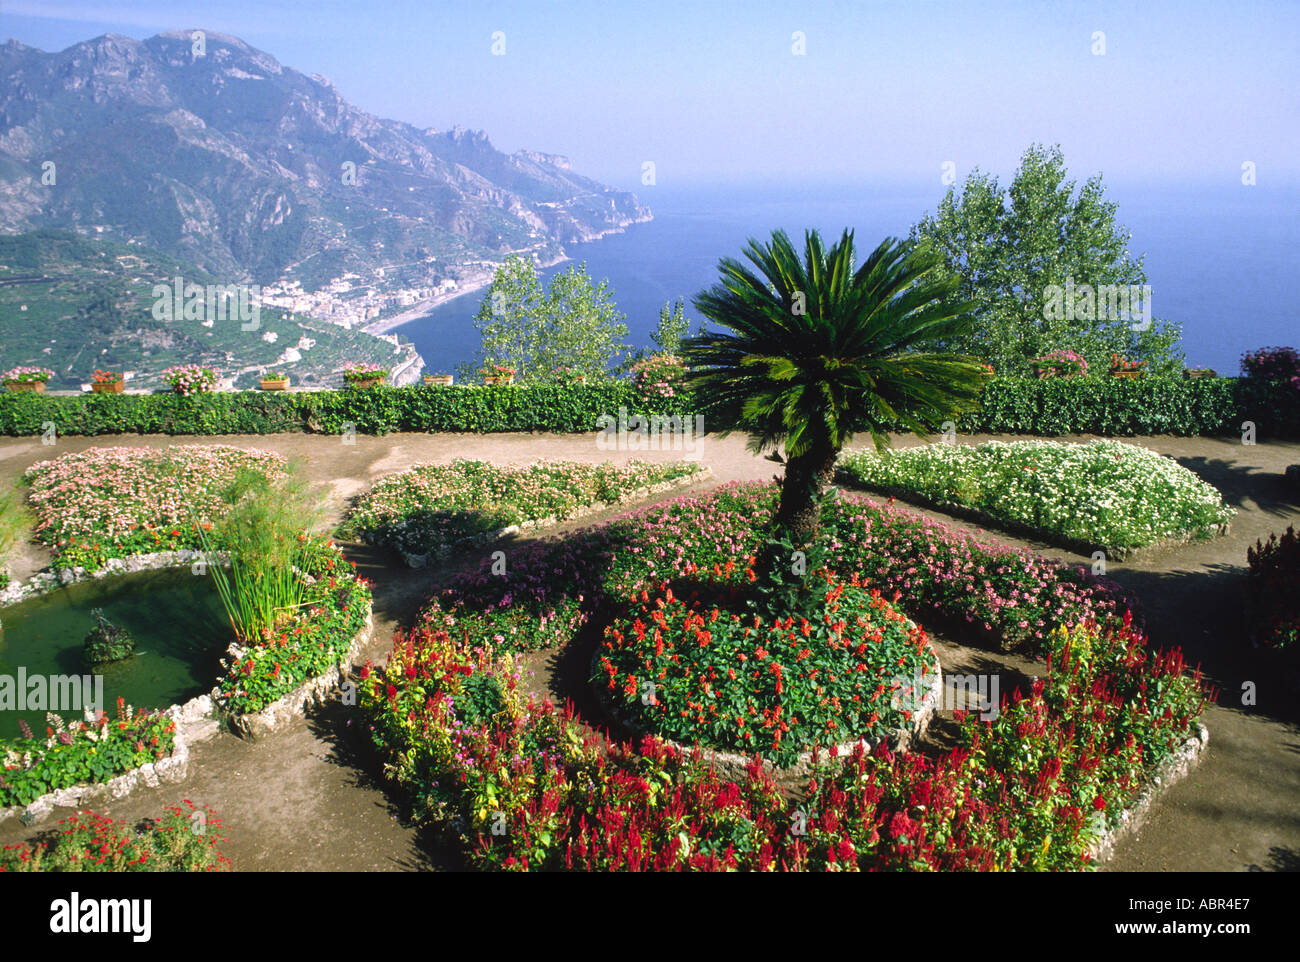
(1009, 405)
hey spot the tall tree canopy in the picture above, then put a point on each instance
(1028, 255)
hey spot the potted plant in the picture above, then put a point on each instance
(497, 374)
(438, 380)
(359, 376)
(187, 379)
(107, 382)
(275, 381)
(1060, 363)
(1192, 373)
(1123, 367)
(27, 378)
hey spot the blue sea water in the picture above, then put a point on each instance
(1222, 259)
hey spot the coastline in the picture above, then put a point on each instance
(475, 281)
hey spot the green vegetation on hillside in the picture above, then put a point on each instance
(75, 304)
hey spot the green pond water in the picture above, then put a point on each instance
(181, 633)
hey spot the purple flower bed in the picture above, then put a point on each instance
(1009, 596)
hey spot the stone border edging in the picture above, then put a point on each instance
(734, 764)
(1170, 771)
(421, 560)
(284, 710)
(44, 583)
(1019, 528)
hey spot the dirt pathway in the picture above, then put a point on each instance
(312, 798)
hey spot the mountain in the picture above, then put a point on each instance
(235, 163)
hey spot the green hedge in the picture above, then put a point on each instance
(1052, 406)
(1107, 406)
(565, 409)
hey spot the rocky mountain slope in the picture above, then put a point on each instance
(225, 158)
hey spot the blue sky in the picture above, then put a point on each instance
(712, 90)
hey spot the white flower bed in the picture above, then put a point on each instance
(1101, 493)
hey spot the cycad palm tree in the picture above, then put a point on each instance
(816, 351)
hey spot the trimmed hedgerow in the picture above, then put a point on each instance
(458, 408)
(1009, 405)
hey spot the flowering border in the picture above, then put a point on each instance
(596, 507)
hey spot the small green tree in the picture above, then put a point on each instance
(509, 319)
(673, 327)
(571, 328)
(1021, 253)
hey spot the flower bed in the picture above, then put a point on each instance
(697, 671)
(1102, 494)
(522, 785)
(426, 510)
(90, 751)
(311, 644)
(105, 503)
(1011, 596)
(183, 840)
(1273, 590)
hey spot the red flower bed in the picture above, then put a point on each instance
(695, 671)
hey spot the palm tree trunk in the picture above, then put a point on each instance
(806, 477)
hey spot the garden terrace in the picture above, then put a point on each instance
(1219, 818)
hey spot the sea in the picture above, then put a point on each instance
(1222, 259)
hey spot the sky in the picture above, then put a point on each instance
(711, 91)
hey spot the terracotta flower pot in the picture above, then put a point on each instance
(275, 383)
(108, 387)
(438, 380)
(362, 383)
(36, 386)
(499, 379)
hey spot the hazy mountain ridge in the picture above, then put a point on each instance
(235, 162)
